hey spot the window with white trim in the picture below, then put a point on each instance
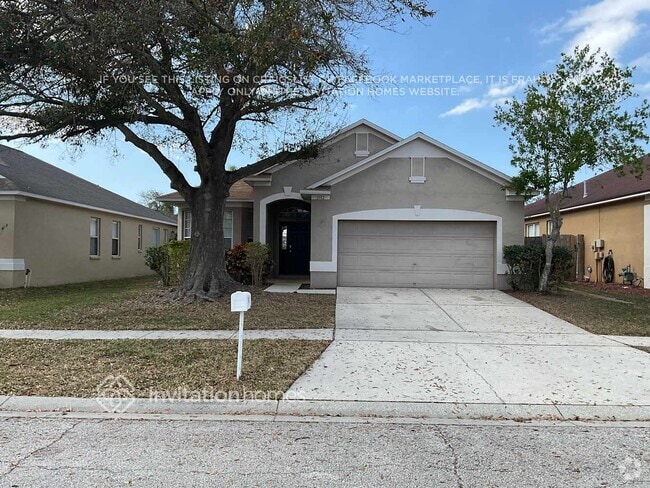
(95, 230)
(187, 224)
(139, 237)
(165, 235)
(155, 236)
(549, 227)
(362, 148)
(116, 230)
(532, 230)
(418, 170)
(227, 229)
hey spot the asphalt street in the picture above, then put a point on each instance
(106, 452)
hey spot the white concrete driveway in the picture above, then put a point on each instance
(468, 346)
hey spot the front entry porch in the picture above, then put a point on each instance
(289, 236)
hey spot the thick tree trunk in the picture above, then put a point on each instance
(551, 240)
(207, 277)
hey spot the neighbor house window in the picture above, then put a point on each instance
(155, 236)
(95, 228)
(165, 235)
(116, 230)
(140, 237)
(187, 224)
(227, 229)
(532, 230)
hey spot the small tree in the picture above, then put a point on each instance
(571, 119)
(149, 198)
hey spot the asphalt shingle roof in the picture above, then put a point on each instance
(21, 172)
(605, 186)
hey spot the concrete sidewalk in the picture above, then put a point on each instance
(470, 347)
(58, 335)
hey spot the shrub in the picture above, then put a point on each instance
(257, 258)
(526, 263)
(236, 264)
(249, 263)
(157, 259)
(169, 260)
(179, 257)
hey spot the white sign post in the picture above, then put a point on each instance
(240, 301)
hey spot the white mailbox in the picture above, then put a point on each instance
(240, 301)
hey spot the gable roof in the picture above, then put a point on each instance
(22, 174)
(604, 187)
(239, 191)
(456, 156)
(337, 136)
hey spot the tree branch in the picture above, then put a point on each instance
(178, 181)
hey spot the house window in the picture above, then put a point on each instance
(116, 230)
(532, 230)
(227, 229)
(549, 227)
(418, 170)
(165, 235)
(95, 228)
(140, 238)
(187, 224)
(155, 237)
(362, 148)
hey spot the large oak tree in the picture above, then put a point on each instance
(583, 115)
(186, 73)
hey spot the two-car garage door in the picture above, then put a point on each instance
(416, 254)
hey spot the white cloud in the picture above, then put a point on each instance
(643, 89)
(464, 107)
(501, 91)
(642, 62)
(607, 24)
(496, 95)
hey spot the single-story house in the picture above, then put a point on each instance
(377, 210)
(607, 207)
(57, 228)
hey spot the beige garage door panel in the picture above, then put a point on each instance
(408, 254)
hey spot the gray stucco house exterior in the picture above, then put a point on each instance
(378, 210)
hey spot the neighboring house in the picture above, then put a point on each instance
(65, 229)
(378, 210)
(610, 207)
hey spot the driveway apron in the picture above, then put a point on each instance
(468, 346)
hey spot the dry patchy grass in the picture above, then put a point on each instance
(141, 304)
(76, 368)
(595, 314)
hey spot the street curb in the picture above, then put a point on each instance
(327, 408)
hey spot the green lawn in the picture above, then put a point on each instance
(594, 314)
(76, 368)
(140, 303)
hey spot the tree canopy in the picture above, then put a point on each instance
(185, 74)
(582, 115)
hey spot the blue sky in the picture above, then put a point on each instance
(470, 40)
